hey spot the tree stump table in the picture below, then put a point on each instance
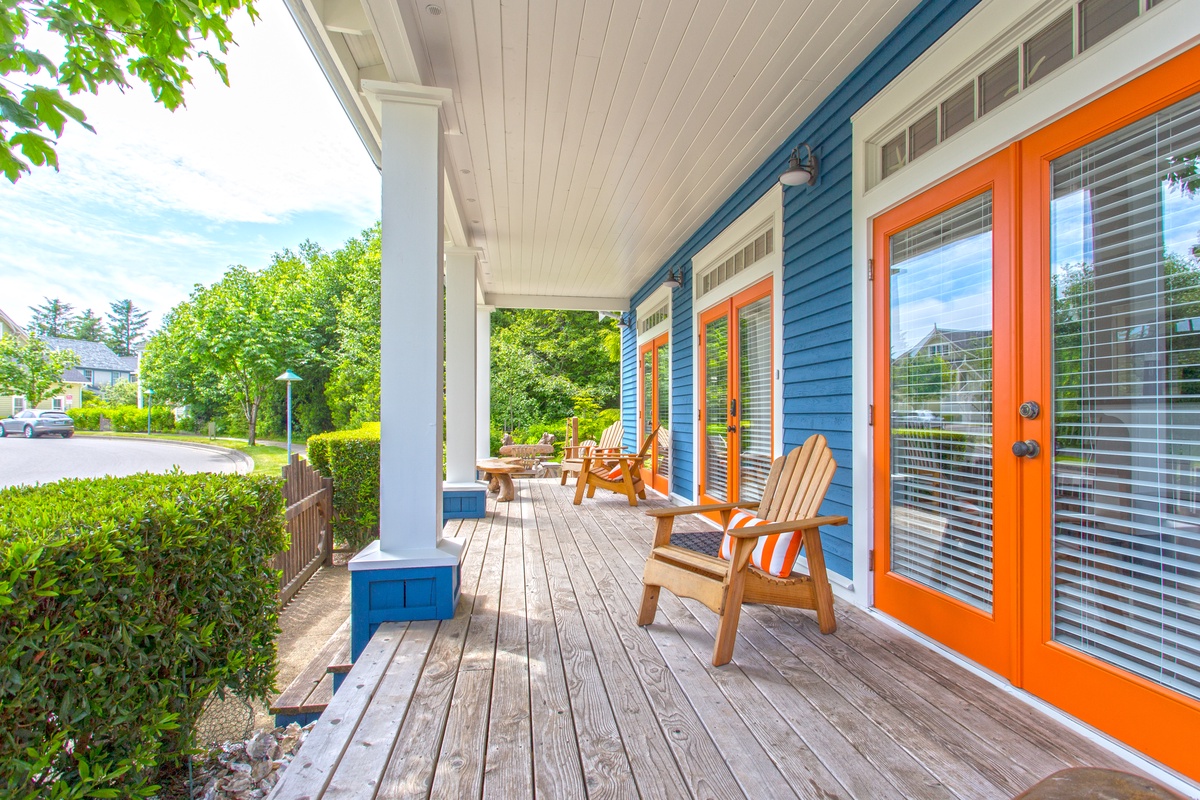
(499, 473)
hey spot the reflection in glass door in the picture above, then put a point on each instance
(737, 404)
(942, 256)
(655, 364)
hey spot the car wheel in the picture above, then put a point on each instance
(3, 431)
(68, 434)
(29, 432)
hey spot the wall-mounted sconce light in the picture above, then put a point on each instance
(674, 280)
(625, 320)
(800, 172)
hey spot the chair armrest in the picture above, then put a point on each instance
(675, 511)
(755, 531)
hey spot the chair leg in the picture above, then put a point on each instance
(735, 588)
(591, 490)
(627, 484)
(563, 473)
(822, 591)
(580, 485)
(649, 605)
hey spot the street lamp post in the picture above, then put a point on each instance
(149, 403)
(289, 377)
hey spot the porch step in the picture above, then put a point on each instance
(312, 690)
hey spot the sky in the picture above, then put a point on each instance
(156, 201)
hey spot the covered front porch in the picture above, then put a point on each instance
(542, 683)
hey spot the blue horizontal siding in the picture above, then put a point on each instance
(817, 353)
(629, 383)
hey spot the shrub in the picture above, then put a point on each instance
(127, 419)
(124, 603)
(351, 458)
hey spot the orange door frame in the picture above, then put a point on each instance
(728, 308)
(987, 638)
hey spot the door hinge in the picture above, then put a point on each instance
(871, 560)
(699, 415)
(871, 414)
(870, 269)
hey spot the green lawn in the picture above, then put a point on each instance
(267, 460)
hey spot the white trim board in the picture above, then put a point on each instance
(766, 210)
(1153, 38)
(663, 294)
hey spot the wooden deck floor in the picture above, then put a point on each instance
(543, 685)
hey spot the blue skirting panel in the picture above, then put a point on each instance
(464, 503)
(398, 595)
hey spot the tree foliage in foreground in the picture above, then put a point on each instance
(154, 42)
(32, 370)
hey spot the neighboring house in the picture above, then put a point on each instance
(966, 399)
(97, 363)
(73, 380)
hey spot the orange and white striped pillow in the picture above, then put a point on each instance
(613, 474)
(774, 554)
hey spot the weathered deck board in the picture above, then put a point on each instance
(543, 685)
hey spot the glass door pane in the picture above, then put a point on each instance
(662, 372)
(1125, 255)
(716, 408)
(647, 393)
(941, 401)
(754, 396)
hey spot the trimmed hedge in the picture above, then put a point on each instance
(127, 419)
(351, 458)
(125, 603)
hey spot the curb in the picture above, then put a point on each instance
(243, 464)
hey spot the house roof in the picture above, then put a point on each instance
(130, 362)
(11, 323)
(91, 355)
(73, 376)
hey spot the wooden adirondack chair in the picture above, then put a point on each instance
(620, 472)
(610, 442)
(793, 494)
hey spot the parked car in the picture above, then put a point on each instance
(35, 422)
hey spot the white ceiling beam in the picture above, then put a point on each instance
(558, 302)
(346, 16)
(393, 39)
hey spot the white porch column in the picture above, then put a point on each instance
(483, 381)
(411, 546)
(460, 365)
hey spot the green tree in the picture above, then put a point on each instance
(353, 387)
(103, 42)
(543, 360)
(88, 327)
(52, 318)
(239, 334)
(31, 369)
(121, 393)
(125, 325)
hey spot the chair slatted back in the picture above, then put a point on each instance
(798, 482)
(645, 451)
(612, 437)
(586, 446)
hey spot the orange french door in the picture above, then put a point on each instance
(1037, 413)
(945, 524)
(736, 396)
(655, 360)
(1111, 554)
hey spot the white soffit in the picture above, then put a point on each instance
(590, 140)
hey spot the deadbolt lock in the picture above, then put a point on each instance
(1030, 409)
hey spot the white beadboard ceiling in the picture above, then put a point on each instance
(590, 139)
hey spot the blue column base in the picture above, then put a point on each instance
(464, 502)
(399, 595)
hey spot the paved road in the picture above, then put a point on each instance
(29, 461)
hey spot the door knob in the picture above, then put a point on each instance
(1026, 449)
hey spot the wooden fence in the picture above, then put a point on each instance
(309, 499)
